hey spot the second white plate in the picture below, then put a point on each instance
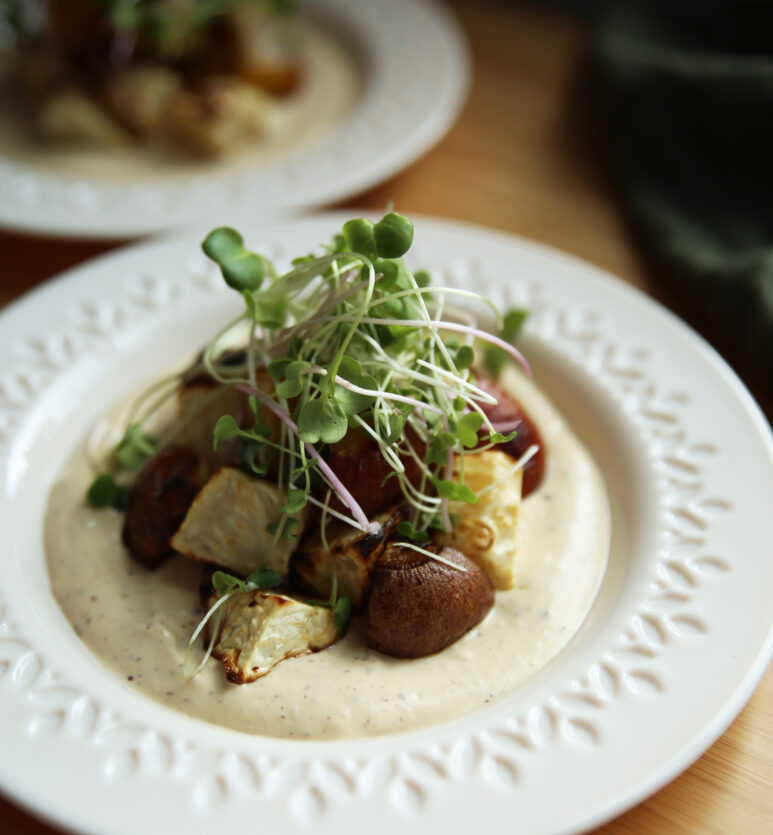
(410, 62)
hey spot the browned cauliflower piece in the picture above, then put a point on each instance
(486, 531)
(226, 525)
(258, 629)
(216, 117)
(352, 555)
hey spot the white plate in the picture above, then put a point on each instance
(675, 643)
(413, 66)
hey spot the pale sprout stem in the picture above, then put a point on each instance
(323, 521)
(398, 398)
(453, 326)
(393, 460)
(212, 347)
(417, 499)
(423, 378)
(330, 512)
(140, 405)
(445, 291)
(303, 326)
(481, 395)
(445, 516)
(433, 556)
(506, 426)
(202, 623)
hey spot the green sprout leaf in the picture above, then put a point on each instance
(468, 427)
(398, 426)
(296, 501)
(322, 420)
(104, 492)
(242, 269)
(278, 368)
(456, 492)
(342, 615)
(393, 235)
(226, 429)
(292, 386)
(353, 402)
(437, 451)
(407, 530)
(264, 578)
(225, 583)
(135, 448)
(248, 456)
(359, 237)
(389, 271)
(465, 357)
(422, 278)
(288, 528)
(499, 438)
(494, 358)
(269, 314)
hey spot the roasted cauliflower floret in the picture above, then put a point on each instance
(226, 525)
(258, 629)
(352, 555)
(138, 96)
(486, 531)
(221, 114)
(71, 116)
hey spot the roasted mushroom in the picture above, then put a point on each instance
(359, 463)
(158, 502)
(420, 605)
(508, 410)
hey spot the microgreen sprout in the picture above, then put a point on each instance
(342, 607)
(135, 448)
(352, 340)
(226, 585)
(494, 356)
(104, 492)
(347, 342)
(437, 557)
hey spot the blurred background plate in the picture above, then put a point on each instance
(406, 69)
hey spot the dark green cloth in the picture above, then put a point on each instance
(688, 104)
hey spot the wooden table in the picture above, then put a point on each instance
(522, 158)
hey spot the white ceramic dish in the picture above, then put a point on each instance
(413, 68)
(678, 637)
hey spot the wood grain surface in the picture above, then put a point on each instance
(525, 156)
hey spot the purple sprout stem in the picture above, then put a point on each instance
(506, 426)
(335, 482)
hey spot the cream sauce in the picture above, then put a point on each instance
(138, 623)
(329, 90)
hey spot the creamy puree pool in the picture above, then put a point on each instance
(138, 622)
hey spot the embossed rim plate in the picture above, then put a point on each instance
(415, 68)
(667, 656)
